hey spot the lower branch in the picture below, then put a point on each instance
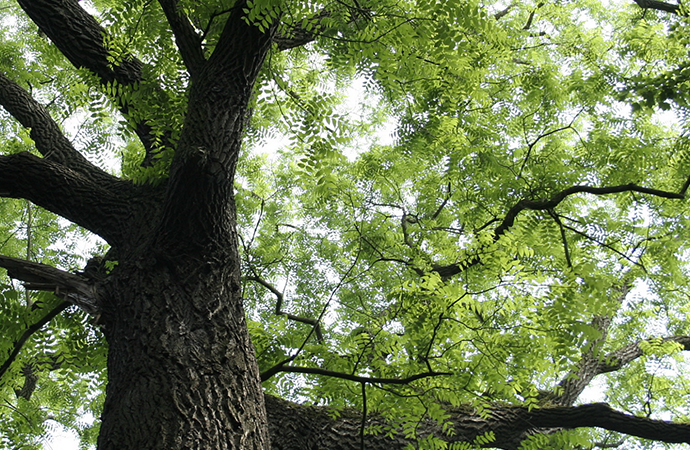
(298, 427)
(75, 289)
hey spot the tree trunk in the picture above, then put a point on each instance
(181, 369)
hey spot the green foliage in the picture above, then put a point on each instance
(389, 148)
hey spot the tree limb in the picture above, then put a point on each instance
(297, 427)
(658, 5)
(186, 37)
(75, 289)
(49, 139)
(80, 38)
(357, 378)
(279, 303)
(101, 208)
(625, 355)
(508, 221)
(296, 36)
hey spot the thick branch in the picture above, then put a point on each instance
(81, 39)
(187, 39)
(601, 415)
(49, 139)
(625, 355)
(658, 5)
(196, 211)
(103, 208)
(42, 277)
(296, 427)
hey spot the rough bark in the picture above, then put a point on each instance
(300, 427)
(182, 371)
(81, 39)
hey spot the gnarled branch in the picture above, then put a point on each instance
(296, 427)
(508, 221)
(35, 276)
(617, 359)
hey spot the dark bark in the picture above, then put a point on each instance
(658, 5)
(181, 368)
(81, 39)
(106, 209)
(301, 427)
(182, 372)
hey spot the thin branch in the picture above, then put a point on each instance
(445, 201)
(186, 37)
(531, 145)
(446, 271)
(279, 303)
(563, 237)
(359, 379)
(555, 200)
(19, 343)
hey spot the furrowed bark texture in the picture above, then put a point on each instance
(182, 372)
(300, 427)
(181, 368)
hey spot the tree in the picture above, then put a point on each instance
(460, 287)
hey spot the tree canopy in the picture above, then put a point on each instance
(460, 224)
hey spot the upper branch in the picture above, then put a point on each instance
(81, 39)
(625, 355)
(279, 311)
(296, 36)
(186, 37)
(357, 378)
(554, 201)
(543, 205)
(49, 139)
(658, 5)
